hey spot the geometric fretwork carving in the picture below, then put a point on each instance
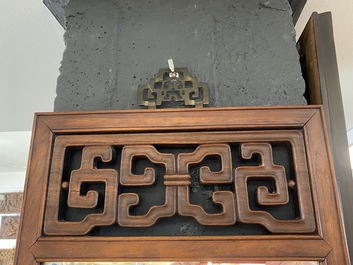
(103, 187)
(126, 200)
(199, 154)
(176, 181)
(127, 178)
(180, 87)
(224, 198)
(266, 170)
(86, 174)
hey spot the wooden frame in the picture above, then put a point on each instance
(318, 56)
(326, 245)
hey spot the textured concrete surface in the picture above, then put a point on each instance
(244, 49)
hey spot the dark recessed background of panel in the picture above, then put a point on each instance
(199, 194)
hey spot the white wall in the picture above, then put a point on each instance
(31, 48)
(14, 149)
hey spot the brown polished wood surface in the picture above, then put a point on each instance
(44, 236)
(318, 55)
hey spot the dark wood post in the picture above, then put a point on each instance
(318, 55)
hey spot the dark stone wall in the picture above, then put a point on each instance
(244, 49)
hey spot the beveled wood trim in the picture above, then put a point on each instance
(325, 191)
(178, 119)
(31, 220)
(231, 249)
(211, 137)
(318, 55)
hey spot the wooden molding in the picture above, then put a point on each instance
(318, 56)
(107, 142)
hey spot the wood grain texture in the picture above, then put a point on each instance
(177, 181)
(31, 220)
(323, 182)
(234, 249)
(127, 178)
(178, 119)
(85, 174)
(305, 222)
(177, 173)
(317, 49)
(148, 178)
(240, 125)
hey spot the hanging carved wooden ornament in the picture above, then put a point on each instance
(222, 184)
(173, 87)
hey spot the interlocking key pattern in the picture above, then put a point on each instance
(176, 181)
(87, 173)
(127, 200)
(280, 197)
(233, 204)
(173, 87)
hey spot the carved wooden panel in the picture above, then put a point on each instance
(9, 227)
(70, 188)
(7, 256)
(10, 202)
(228, 184)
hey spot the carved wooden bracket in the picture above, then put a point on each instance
(129, 182)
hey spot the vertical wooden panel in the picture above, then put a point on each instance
(34, 194)
(323, 182)
(318, 53)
